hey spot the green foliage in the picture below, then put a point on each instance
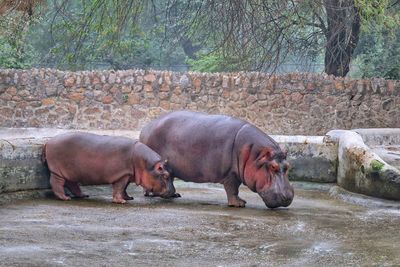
(13, 57)
(378, 50)
(213, 62)
(378, 12)
(15, 52)
(378, 54)
(102, 34)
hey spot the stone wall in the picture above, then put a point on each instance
(289, 104)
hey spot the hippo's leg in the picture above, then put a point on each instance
(57, 185)
(75, 189)
(118, 189)
(232, 192)
(126, 196)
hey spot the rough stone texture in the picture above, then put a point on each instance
(299, 103)
(20, 166)
(311, 158)
(361, 170)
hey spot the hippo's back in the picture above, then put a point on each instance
(89, 158)
(198, 146)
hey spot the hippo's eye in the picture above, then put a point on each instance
(275, 166)
(285, 167)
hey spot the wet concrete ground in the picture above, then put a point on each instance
(197, 230)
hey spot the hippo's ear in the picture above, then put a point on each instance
(159, 167)
(265, 156)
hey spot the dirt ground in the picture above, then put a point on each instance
(197, 230)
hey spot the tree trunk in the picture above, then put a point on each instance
(189, 49)
(342, 35)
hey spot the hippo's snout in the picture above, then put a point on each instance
(169, 191)
(273, 199)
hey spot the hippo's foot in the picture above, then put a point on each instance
(63, 197)
(119, 200)
(81, 196)
(236, 202)
(128, 197)
(176, 195)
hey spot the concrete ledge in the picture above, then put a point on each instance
(360, 170)
(340, 156)
(311, 158)
(363, 200)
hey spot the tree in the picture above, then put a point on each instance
(342, 34)
(216, 34)
(110, 34)
(15, 51)
(25, 6)
(378, 51)
(262, 34)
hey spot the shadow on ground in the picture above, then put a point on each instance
(197, 230)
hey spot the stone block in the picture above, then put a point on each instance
(77, 97)
(48, 101)
(69, 82)
(108, 99)
(150, 77)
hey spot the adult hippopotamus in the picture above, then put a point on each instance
(90, 159)
(205, 148)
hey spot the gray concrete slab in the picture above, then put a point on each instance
(197, 230)
(360, 169)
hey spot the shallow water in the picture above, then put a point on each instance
(197, 230)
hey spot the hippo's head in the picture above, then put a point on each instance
(157, 180)
(152, 173)
(265, 172)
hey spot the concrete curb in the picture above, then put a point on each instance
(360, 170)
(362, 200)
(312, 159)
(341, 156)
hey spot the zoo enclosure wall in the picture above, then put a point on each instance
(290, 104)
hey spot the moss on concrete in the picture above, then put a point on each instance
(377, 165)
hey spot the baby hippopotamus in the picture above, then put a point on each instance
(90, 159)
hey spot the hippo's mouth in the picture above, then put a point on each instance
(151, 193)
(273, 201)
(174, 195)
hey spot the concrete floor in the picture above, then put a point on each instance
(197, 230)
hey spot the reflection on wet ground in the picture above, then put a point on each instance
(197, 230)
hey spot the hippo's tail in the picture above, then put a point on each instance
(44, 160)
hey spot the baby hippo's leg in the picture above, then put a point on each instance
(75, 189)
(118, 189)
(57, 185)
(126, 196)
